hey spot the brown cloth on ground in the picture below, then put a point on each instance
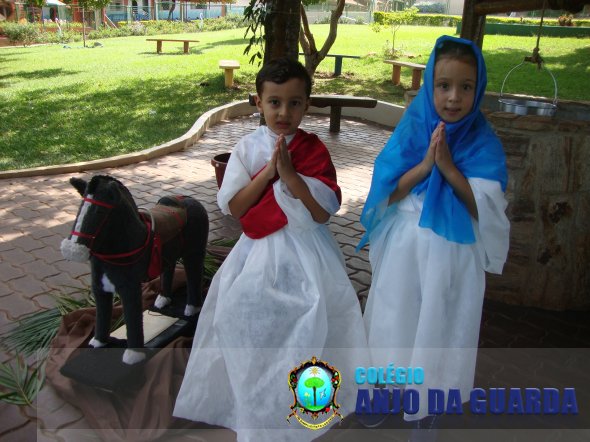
(144, 414)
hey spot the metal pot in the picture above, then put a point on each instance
(528, 107)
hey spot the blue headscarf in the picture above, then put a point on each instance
(476, 152)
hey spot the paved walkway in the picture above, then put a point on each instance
(37, 213)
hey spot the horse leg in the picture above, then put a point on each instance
(195, 235)
(165, 296)
(102, 290)
(132, 310)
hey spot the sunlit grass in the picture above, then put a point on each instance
(67, 104)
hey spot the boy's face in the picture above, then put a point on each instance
(283, 105)
(454, 88)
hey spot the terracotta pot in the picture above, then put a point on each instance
(220, 163)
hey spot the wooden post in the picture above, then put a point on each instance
(396, 75)
(335, 115)
(472, 26)
(416, 78)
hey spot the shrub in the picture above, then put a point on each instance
(453, 20)
(31, 32)
(25, 33)
(65, 36)
(394, 21)
(137, 28)
(228, 22)
(104, 32)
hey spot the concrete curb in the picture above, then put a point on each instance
(384, 113)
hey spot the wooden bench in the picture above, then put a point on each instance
(228, 66)
(338, 61)
(160, 40)
(336, 103)
(416, 72)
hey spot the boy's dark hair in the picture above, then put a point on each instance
(281, 70)
(455, 51)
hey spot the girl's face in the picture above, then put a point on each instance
(454, 88)
(283, 105)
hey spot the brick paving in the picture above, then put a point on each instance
(37, 214)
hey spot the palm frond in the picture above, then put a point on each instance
(225, 242)
(20, 383)
(36, 330)
(33, 332)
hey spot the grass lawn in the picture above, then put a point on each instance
(61, 105)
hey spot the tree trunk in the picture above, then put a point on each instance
(281, 29)
(313, 57)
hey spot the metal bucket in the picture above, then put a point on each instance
(528, 107)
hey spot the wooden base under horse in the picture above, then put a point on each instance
(127, 247)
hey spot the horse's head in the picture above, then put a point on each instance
(101, 196)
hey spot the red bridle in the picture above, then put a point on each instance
(93, 236)
(114, 256)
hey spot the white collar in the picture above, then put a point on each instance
(271, 134)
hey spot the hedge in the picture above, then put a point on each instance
(453, 20)
(28, 33)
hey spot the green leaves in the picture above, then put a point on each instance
(18, 384)
(33, 332)
(93, 4)
(255, 16)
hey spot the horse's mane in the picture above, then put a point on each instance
(97, 180)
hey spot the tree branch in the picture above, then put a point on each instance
(305, 36)
(334, 17)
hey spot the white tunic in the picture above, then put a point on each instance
(424, 305)
(274, 303)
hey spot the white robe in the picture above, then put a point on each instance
(425, 302)
(274, 303)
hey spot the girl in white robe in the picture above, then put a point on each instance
(436, 223)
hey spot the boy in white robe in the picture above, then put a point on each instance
(283, 294)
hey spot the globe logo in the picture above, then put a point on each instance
(314, 384)
(314, 389)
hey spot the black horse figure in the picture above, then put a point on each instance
(127, 247)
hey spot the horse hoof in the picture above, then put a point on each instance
(190, 310)
(96, 343)
(131, 357)
(162, 301)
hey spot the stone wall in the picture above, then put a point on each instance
(549, 209)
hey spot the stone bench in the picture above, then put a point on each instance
(336, 103)
(228, 66)
(160, 40)
(416, 72)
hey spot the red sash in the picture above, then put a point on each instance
(311, 158)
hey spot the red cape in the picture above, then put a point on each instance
(311, 158)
